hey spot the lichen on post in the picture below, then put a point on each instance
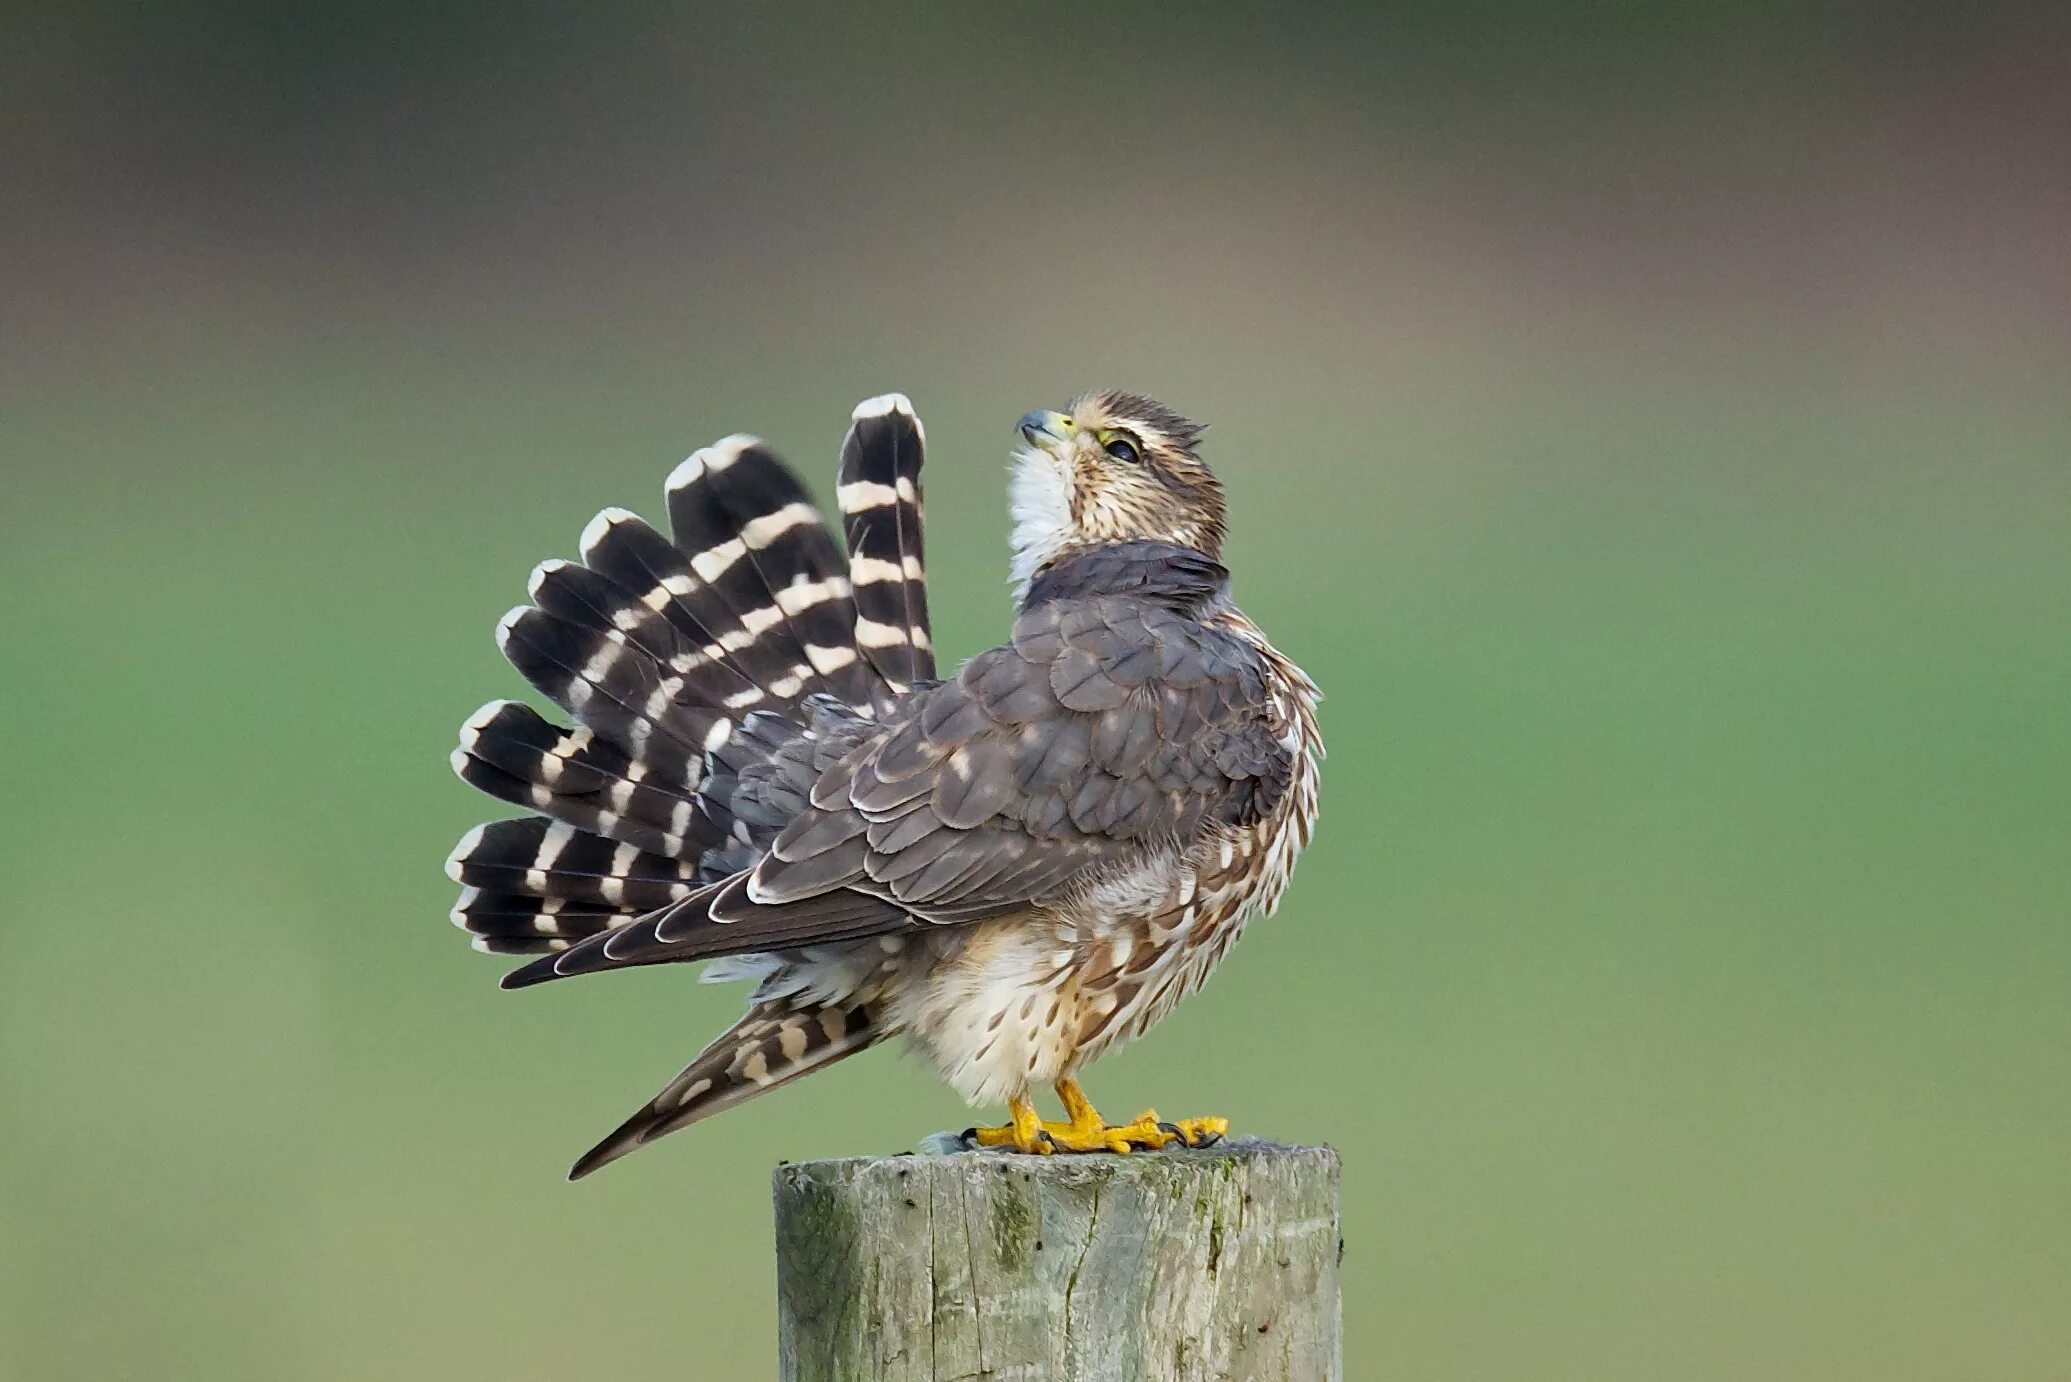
(1153, 1267)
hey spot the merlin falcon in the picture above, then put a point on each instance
(1016, 867)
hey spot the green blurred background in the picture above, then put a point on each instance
(1649, 424)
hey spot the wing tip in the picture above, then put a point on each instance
(526, 976)
(600, 1156)
(645, 1126)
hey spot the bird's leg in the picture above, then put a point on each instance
(1087, 1131)
(1085, 1120)
(1023, 1132)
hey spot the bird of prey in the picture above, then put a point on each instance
(1016, 867)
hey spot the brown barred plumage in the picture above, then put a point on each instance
(1016, 868)
(778, 1041)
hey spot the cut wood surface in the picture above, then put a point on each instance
(1213, 1264)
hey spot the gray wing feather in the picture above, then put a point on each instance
(1106, 727)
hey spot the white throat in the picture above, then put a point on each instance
(1039, 501)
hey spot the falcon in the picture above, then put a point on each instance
(1015, 868)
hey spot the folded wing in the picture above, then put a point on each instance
(1110, 729)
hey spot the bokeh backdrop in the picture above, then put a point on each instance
(1649, 423)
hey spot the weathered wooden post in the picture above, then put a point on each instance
(1154, 1267)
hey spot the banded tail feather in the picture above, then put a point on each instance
(758, 544)
(531, 885)
(686, 661)
(509, 751)
(659, 649)
(533, 856)
(612, 687)
(763, 770)
(778, 1041)
(880, 495)
(707, 675)
(511, 924)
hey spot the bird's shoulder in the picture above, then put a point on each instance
(1096, 709)
(1110, 721)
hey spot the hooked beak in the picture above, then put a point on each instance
(1047, 429)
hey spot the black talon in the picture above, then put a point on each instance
(1045, 1135)
(969, 1137)
(1178, 1133)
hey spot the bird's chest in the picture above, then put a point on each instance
(1026, 999)
(1144, 946)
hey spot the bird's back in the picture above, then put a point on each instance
(1016, 866)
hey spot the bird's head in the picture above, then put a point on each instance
(1112, 467)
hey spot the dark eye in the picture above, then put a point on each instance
(1123, 450)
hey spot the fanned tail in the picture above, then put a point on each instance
(659, 650)
(709, 675)
(778, 1041)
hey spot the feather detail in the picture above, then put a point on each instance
(776, 1042)
(881, 512)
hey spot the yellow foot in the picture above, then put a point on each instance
(1025, 1133)
(1200, 1132)
(1145, 1132)
(1086, 1131)
(1089, 1132)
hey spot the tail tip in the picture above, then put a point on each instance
(593, 532)
(552, 566)
(467, 846)
(882, 405)
(468, 897)
(483, 718)
(505, 625)
(889, 405)
(710, 460)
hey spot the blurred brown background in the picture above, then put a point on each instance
(1649, 423)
